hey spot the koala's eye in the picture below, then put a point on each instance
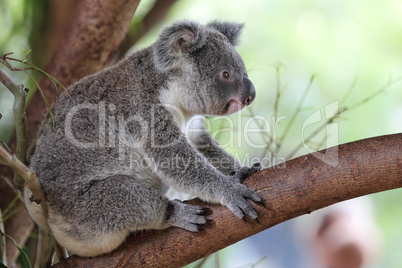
(226, 75)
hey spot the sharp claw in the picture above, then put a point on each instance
(199, 229)
(261, 203)
(205, 211)
(258, 221)
(257, 167)
(244, 219)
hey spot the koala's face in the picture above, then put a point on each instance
(225, 87)
(210, 75)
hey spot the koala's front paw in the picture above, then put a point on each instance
(242, 173)
(235, 200)
(186, 216)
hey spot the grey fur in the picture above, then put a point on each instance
(121, 141)
(232, 31)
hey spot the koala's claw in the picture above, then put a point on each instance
(261, 203)
(205, 211)
(186, 216)
(238, 204)
(256, 167)
(256, 220)
(242, 173)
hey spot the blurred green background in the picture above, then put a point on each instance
(340, 42)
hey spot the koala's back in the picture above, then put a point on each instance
(85, 144)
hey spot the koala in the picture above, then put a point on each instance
(130, 134)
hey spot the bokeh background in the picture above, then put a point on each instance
(346, 45)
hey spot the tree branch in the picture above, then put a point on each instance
(32, 182)
(297, 187)
(19, 116)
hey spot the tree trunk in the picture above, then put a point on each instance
(297, 187)
(98, 28)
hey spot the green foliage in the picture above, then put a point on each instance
(26, 54)
(24, 257)
(7, 213)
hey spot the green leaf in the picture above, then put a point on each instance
(51, 78)
(6, 214)
(26, 54)
(24, 256)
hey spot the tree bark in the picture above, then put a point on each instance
(297, 187)
(98, 28)
(137, 31)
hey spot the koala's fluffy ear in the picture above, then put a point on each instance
(175, 42)
(231, 30)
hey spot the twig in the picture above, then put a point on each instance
(7, 213)
(216, 255)
(19, 116)
(299, 107)
(3, 259)
(273, 144)
(267, 137)
(43, 96)
(348, 92)
(39, 249)
(29, 177)
(203, 260)
(278, 88)
(378, 92)
(31, 67)
(47, 252)
(343, 110)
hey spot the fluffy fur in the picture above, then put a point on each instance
(120, 141)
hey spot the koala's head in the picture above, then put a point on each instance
(205, 71)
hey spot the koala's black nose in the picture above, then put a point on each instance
(249, 91)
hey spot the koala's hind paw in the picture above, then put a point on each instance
(186, 216)
(244, 172)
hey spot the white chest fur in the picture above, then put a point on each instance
(190, 124)
(191, 127)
